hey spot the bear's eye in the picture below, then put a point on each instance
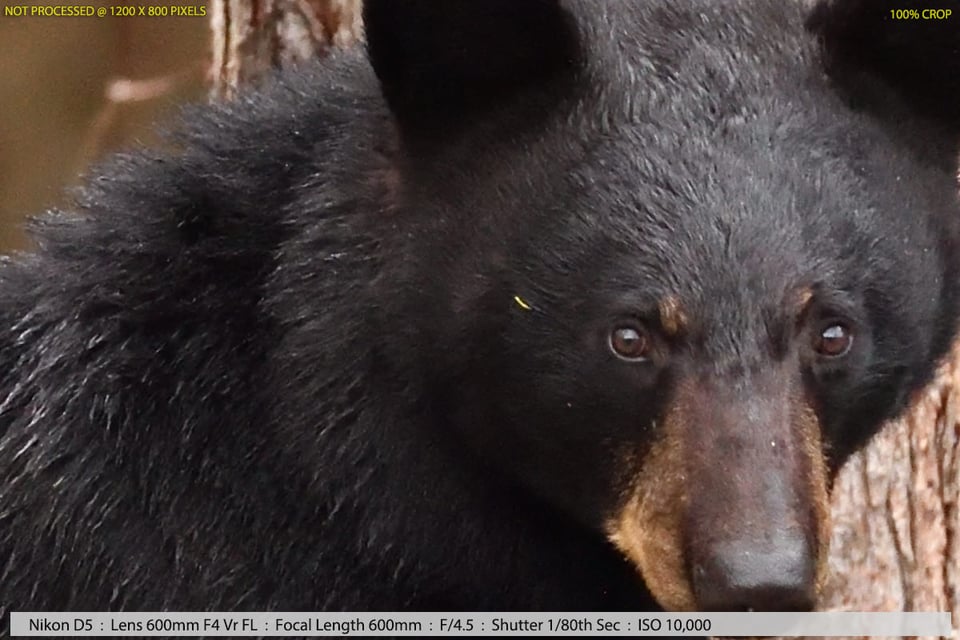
(630, 343)
(834, 341)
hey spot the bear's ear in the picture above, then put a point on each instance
(440, 60)
(913, 44)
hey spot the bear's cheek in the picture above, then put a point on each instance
(728, 507)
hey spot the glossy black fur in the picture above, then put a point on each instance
(282, 367)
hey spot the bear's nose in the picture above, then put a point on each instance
(736, 576)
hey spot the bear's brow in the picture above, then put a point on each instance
(798, 300)
(673, 318)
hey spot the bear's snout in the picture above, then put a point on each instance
(729, 511)
(744, 576)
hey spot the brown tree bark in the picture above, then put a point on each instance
(896, 512)
(896, 508)
(251, 37)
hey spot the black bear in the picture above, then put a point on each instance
(538, 305)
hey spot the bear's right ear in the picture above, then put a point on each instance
(440, 60)
(914, 45)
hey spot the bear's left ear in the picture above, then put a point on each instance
(914, 45)
(438, 61)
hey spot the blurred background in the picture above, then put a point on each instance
(74, 88)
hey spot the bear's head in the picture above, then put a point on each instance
(685, 257)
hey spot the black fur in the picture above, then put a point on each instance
(283, 367)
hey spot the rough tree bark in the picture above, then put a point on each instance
(250, 37)
(896, 509)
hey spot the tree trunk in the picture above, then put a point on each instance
(250, 37)
(896, 510)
